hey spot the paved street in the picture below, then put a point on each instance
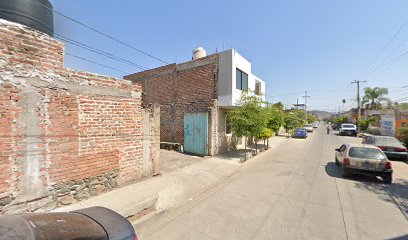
(292, 192)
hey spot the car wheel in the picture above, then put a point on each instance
(344, 172)
(387, 178)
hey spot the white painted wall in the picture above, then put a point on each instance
(228, 94)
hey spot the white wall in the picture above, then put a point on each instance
(228, 94)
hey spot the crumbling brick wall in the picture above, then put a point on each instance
(181, 88)
(65, 135)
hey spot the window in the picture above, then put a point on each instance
(258, 88)
(241, 80)
(227, 126)
(371, 153)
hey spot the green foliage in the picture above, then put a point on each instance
(373, 97)
(365, 123)
(403, 106)
(250, 118)
(312, 118)
(403, 135)
(276, 118)
(265, 134)
(292, 121)
(341, 119)
(278, 105)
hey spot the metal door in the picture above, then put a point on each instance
(196, 133)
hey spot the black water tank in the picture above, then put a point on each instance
(36, 14)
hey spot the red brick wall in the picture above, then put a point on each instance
(179, 88)
(61, 127)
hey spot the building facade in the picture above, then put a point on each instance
(195, 96)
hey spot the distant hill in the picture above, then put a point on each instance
(320, 114)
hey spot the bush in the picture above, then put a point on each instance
(403, 135)
(365, 123)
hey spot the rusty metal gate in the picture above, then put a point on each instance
(196, 133)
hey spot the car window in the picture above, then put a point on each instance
(308, 125)
(342, 148)
(348, 125)
(387, 141)
(299, 129)
(361, 152)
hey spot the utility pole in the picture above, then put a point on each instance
(305, 97)
(358, 98)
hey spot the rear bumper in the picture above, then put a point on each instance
(300, 136)
(368, 172)
(396, 155)
(348, 132)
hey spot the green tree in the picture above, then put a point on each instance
(276, 118)
(403, 135)
(278, 105)
(374, 97)
(365, 123)
(403, 106)
(291, 121)
(250, 117)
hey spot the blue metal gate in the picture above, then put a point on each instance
(196, 133)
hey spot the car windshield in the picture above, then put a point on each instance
(348, 125)
(387, 141)
(361, 152)
(299, 129)
(308, 125)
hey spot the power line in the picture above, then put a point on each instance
(101, 33)
(385, 64)
(388, 43)
(96, 63)
(98, 51)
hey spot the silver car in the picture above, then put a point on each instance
(363, 159)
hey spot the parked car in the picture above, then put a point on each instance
(300, 133)
(389, 145)
(308, 127)
(336, 126)
(315, 124)
(363, 159)
(348, 129)
(89, 223)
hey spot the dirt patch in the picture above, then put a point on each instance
(172, 160)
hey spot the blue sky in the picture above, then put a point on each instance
(314, 45)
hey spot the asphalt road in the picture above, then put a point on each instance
(292, 192)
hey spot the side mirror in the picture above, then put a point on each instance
(337, 149)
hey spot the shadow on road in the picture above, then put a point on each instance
(405, 237)
(334, 171)
(396, 193)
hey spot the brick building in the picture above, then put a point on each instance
(194, 97)
(65, 135)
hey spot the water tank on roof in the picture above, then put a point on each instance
(199, 53)
(36, 14)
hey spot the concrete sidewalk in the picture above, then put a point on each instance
(167, 191)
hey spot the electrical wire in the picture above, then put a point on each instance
(100, 32)
(97, 51)
(387, 44)
(96, 63)
(401, 56)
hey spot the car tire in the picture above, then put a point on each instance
(336, 161)
(387, 178)
(344, 172)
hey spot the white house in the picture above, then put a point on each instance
(235, 75)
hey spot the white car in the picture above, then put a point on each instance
(348, 129)
(309, 127)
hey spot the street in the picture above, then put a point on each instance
(292, 192)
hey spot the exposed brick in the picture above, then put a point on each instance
(69, 125)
